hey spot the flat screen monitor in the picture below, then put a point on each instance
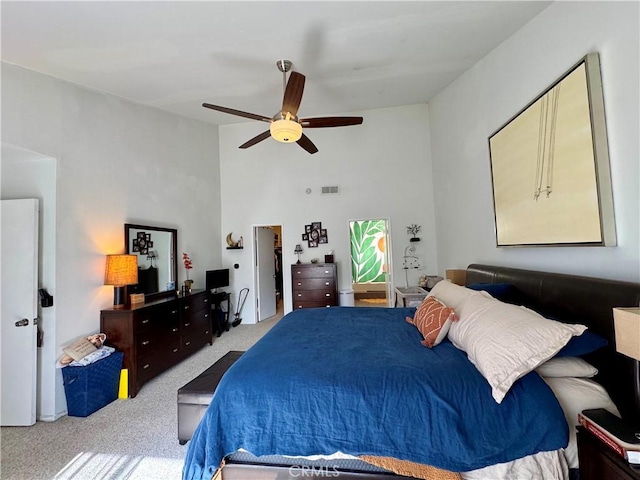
(217, 279)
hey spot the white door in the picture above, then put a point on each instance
(18, 330)
(265, 272)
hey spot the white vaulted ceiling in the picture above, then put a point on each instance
(175, 55)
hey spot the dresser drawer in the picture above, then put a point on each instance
(156, 341)
(313, 271)
(304, 283)
(195, 341)
(193, 303)
(299, 305)
(314, 296)
(196, 321)
(155, 318)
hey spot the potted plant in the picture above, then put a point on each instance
(413, 229)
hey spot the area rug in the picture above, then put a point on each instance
(373, 300)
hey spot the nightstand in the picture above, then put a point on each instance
(599, 462)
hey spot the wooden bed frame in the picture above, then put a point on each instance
(567, 298)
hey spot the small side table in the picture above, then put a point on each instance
(599, 462)
(410, 296)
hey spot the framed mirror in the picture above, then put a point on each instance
(157, 251)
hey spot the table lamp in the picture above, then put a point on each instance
(298, 251)
(120, 270)
(627, 328)
(457, 276)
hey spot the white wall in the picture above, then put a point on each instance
(383, 169)
(480, 101)
(117, 162)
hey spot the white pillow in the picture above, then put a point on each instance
(574, 396)
(451, 294)
(566, 367)
(505, 342)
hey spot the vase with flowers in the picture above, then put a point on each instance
(188, 265)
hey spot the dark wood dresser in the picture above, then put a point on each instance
(157, 335)
(314, 285)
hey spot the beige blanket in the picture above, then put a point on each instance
(410, 469)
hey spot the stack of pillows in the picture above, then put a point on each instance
(503, 341)
(506, 341)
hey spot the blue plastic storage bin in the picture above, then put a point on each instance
(90, 388)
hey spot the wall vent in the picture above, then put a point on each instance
(330, 190)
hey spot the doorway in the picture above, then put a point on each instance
(268, 273)
(29, 174)
(371, 262)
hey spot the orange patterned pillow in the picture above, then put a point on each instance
(433, 319)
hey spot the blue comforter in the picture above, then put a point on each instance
(357, 380)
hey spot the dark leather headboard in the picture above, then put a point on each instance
(576, 299)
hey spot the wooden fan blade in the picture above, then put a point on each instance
(307, 144)
(293, 94)
(240, 113)
(256, 139)
(322, 122)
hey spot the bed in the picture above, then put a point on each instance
(352, 392)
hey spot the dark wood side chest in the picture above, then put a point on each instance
(314, 285)
(599, 462)
(158, 335)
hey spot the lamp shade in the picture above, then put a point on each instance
(121, 270)
(286, 131)
(627, 327)
(457, 276)
(298, 249)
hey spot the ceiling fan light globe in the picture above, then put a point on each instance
(286, 131)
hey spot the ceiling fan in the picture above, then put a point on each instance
(285, 125)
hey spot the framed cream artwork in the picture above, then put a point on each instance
(550, 167)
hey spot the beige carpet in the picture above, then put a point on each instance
(133, 439)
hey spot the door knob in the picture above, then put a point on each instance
(22, 323)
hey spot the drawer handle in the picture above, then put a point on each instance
(173, 312)
(206, 315)
(145, 343)
(298, 272)
(175, 350)
(300, 306)
(174, 329)
(145, 321)
(299, 284)
(327, 272)
(206, 300)
(299, 294)
(188, 343)
(326, 283)
(186, 307)
(145, 367)
(207, 332)
(187, 324)
(327, 294)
